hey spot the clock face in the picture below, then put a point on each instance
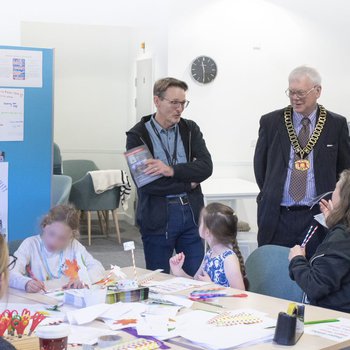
(204, 69)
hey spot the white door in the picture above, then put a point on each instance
(144, 88)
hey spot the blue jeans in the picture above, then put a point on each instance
(181, 235)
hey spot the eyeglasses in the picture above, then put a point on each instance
(12, 264)
(177, 104)
(299, 93)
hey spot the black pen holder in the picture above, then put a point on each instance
(289, 328)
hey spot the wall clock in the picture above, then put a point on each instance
(204, 69)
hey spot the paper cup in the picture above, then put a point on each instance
(53, 337)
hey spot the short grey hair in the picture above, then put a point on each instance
(303, 71)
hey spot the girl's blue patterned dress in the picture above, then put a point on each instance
(214, 267)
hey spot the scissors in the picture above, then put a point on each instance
(23, 323)
(5, 321)
(36, 319)
(12, 314)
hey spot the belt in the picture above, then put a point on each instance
(296, 208)
(183, 200)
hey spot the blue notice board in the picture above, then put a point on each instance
(30, 160)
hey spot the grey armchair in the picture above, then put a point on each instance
(84, 198)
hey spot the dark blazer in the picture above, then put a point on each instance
(152, 203)
(331, 157)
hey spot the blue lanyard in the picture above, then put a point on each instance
(47, 268)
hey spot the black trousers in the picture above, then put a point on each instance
(293, 226)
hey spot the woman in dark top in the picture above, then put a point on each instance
(4, 258)
(325, 278)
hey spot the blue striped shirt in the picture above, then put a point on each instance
(287, 200)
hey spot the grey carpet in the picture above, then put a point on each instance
(107, 250)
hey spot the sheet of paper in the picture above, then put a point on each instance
(11, 114)
(4, 199)
(176, 299)
(21, 68)
(214, 336)
(154, 325)
(173, 285)
(336, 331)
(87, 335)
(87, 314)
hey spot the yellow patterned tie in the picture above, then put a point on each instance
(297, 186)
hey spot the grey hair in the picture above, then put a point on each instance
(309, 72)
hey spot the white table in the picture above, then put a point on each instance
(228, 190)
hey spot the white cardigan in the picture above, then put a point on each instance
(32, 252)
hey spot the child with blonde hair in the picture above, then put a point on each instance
(47, 256)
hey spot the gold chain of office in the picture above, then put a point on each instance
(303, 164)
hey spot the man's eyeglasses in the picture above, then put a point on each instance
(299, 93)
(12, 264)
(177, 104)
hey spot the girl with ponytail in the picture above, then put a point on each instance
(223, 263)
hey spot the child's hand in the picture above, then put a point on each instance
(296, 251)
(204, 277)
(34, 286)
(176, 263)
(74, 284)
(326, 207)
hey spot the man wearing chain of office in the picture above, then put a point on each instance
(300, 152)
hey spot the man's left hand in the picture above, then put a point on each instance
(157, 167)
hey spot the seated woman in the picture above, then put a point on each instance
(325, 279)
(4, 258)
(48, 255)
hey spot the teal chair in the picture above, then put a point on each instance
(61, 187)
(84, 198)
(268, 274)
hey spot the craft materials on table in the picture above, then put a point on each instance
(16, 323)
(231, 319)
(173, 285)
(212, 293)
(309, 235)
(131, 246)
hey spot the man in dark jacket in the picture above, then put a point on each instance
(300, 152)
(168, 208)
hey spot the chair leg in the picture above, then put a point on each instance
(101, 221)
(106, 217)
(89, 226)
(115, 219)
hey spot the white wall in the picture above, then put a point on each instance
(255, 44)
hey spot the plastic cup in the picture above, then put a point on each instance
(53, 337)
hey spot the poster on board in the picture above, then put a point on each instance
(4, 199)
(21, 68)
(11, 114)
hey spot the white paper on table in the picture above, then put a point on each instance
(165, 310)
(176, 299)
(87, 314)
(336, 331)
(153, 325)
(224, 337)
(87, 335)
(173, 285)
(33, 308)
(123, 311)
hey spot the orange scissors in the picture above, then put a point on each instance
(5, 321)
(36, 319)
(24, 321)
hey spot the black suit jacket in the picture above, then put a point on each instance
(331, 157)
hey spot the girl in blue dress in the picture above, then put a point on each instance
(223, 263)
